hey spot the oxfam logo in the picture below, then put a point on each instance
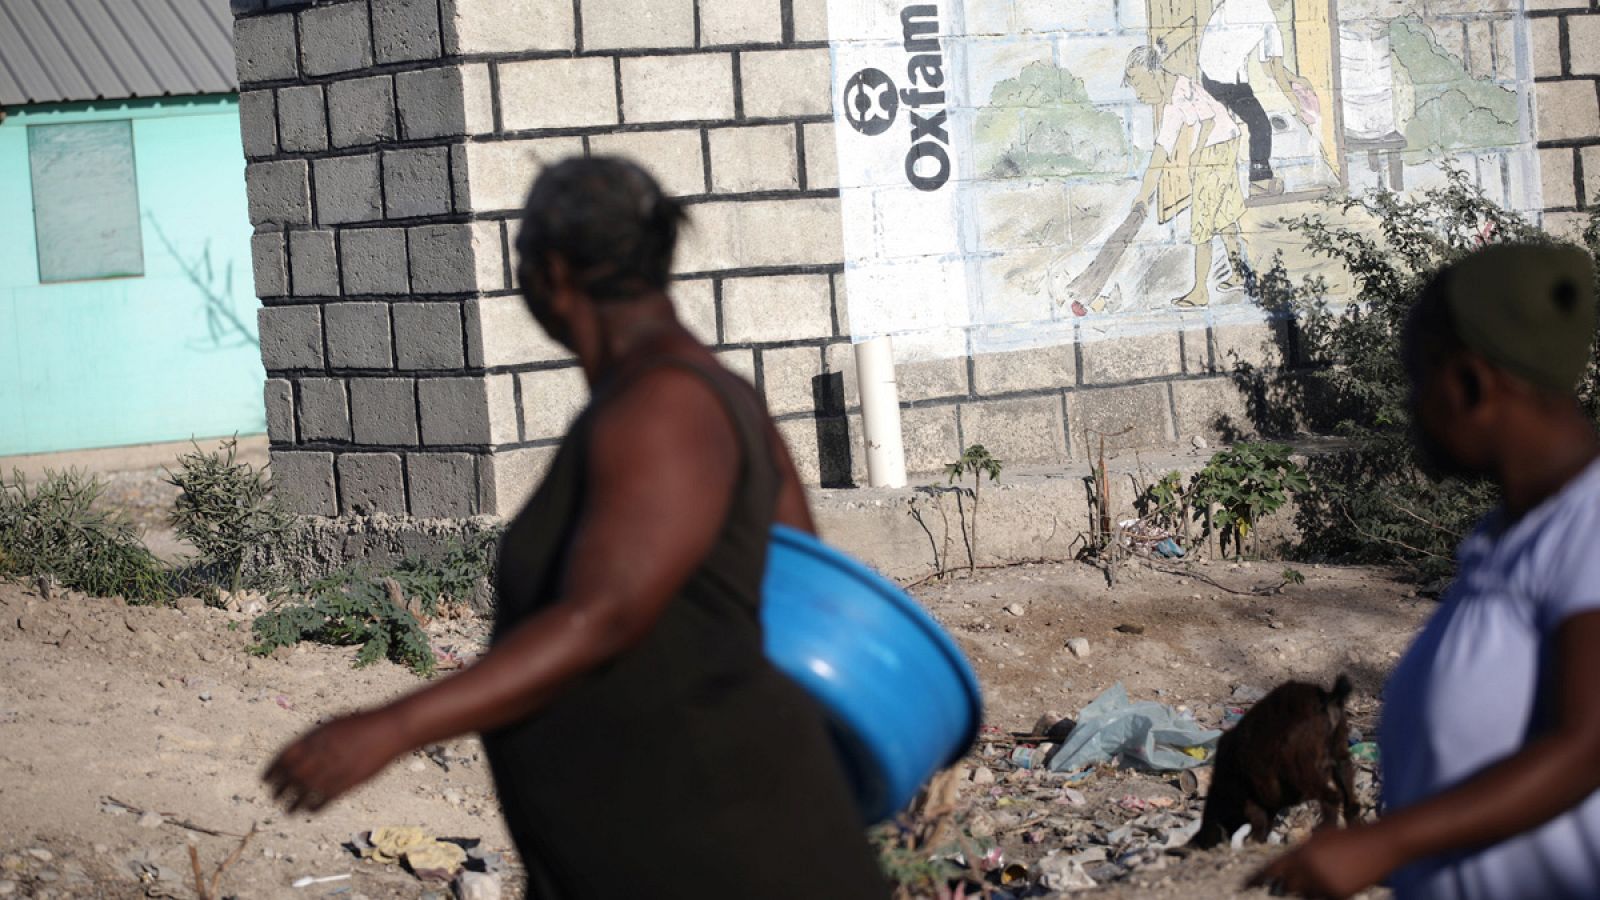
(870, 102)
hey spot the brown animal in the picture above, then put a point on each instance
(1293, 746)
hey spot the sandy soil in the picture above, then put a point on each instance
(163, 710)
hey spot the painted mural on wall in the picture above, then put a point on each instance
(1024, 173)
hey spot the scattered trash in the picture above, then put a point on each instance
(983, 775)
(283, 702)
(308, 880)
(1079, 647)
(1169, 549)
(1059, 872)
(1146, 734)
(151, 820)
(1032, 757)
(477, 886)
(429, 858)
(1366, 752)
(1237, 841)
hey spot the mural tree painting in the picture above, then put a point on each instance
(1042, 124)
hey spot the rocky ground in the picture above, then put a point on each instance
(128, 735)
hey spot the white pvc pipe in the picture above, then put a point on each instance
(880, 413)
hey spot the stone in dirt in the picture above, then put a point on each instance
(1079, 647)
(41, 854)
(1016, 609)
(983, 775)
(151, 819)
(1130, 629)
(477, 886)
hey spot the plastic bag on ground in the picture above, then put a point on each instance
(1145, 735)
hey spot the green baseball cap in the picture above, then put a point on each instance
(1527, 308)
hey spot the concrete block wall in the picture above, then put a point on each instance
(1565, 38)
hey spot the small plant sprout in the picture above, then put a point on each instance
(977, 462)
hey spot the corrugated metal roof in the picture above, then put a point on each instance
(63, 51)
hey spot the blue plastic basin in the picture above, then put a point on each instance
(901, 699)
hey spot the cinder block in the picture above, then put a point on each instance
(374, 261)
(291, 337)
(278, 394)
(1591, 176)
(361, 111)
(1263, 346)
(383, 411)
(918, 381)
(822, 157)
(406, 30)
(302, 121)
(692, 88)
(740, 362)
(348, 189)
(790, 377)
(931, 438)
(696, 304)
(1115, 360)
(1566, 109)
(324, 410)
(265, 48)
(303, 482)
(822, 450)
(1583, 42)
(335, 38)
(270, 262)
(673, 157)
(1544, 39)
(1214, 409)
(313, 264)
(551, 400)
(358, 335)
(508, 26)
(559, 93)
(1544, 5)
(776, 308)
(455, 259)
(786, 83)
(1567, 226)
(473, 410)
(501, 332)
(1134, 416)
(1025, 430)
(1024, 370)
(1556, 171)
(811, 20)
(508, 478)
(416, 182)
(444, 101)
(371, 484)
(754, 158)
(258, 123)
(499, 173)
(740, 22)
(1196, 349)
(428, 335)
(761, 233)
(279, 193)
(443, 485)
(622, 25)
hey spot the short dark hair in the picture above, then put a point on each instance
(608, 219)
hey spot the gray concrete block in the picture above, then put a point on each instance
(1566, 109)
(374, 261)
(278, 394)
(291, 337)
(265, 48)
(508, 478)
(822, 157)
(689, 88)
(428, 336)
(406, 30)
(1583, 42)
(822, 452)
(270, 262)
(303, 482)
(448, 259)
(744, 22)
(624, 25)
(1556, 173)
(358, 335)
(551, 399)
(776, 308)
(324, 410)
(810, 20)
(754, 158)
(1262, 345)
(1121, 359)
(371, 484)
(931, 437)
(457, 411)
(1020, 431)
(1136, 416)
(348, 189)
(258, 123)
(1196, 350)
(508, 26)
(741, 362)
(559, 93)
(673, 157)
(302, 121)
(416, 182)
(789, 376)
(443, 485)
(383, 411)
(1025, 370)
(313, 264)
(1213, 409)
(444, 101)
(933, 379)
(335, 38)
(760, 233)
(502, 332)
(696, 305)
(278, 193)
(361, 111)
(1544, 38)
(499, 173)
(786, 83)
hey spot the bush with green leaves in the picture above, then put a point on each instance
(1373, 500)
(225, 509)
(1242, 485)
(57, 529)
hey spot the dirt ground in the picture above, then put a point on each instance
(105, 707)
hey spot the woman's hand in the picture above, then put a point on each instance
(333, 758)
(1334, 863)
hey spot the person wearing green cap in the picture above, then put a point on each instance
(1491, 721)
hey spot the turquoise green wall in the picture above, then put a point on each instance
(167, 356)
